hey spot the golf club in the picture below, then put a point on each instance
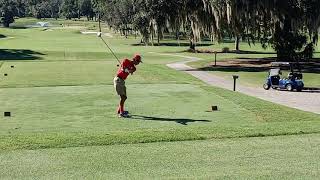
(100, 36)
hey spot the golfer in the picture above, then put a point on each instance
(127, 67)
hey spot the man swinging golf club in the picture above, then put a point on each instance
(127, 67)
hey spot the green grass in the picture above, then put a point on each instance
(63, 103)
(48, 117)
(283, 157)
(73, 73)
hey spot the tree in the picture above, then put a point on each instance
(290, 26)
(141, 20)
(54, 6)
(70, 9)
(43, 10)
(8, 9)
(86, 8)
(21, 8)
(122, 15)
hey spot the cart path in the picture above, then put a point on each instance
(306, 101)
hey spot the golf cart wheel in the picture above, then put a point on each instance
(289, 87)
(266, 86)
(299, 89)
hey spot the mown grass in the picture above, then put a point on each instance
(85, 115)
(283, 157)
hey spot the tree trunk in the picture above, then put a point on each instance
(158, 38)
(178, 38)
(152, 33)
(237, 43)
(192, 45)
(177, 33)
(99, 22)
(126, 31)
(6, 24)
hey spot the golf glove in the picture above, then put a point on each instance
(126, 70)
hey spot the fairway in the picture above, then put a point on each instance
(64, 123)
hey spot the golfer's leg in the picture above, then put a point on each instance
(116, 87)
(122, 101)
(119, 107)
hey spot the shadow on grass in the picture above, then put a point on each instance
(234, 68)
(241, 68)
(251, 52)
(18, 27)
(311, 90)
(258, 65)
(222, 51)
(2, 36)
(182, 121)
(183, 44)
(19, 54)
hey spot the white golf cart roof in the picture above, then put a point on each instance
(274, 72)
(279, 63)
(43, 24)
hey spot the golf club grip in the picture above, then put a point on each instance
(110, 50)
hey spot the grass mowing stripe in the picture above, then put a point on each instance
(1, 64)
(61, 140)
(87, 85)
(75, 73)
(65, 140)
(285, 157)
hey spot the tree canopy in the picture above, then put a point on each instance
(291, 27)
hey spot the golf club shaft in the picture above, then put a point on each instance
(110, 49)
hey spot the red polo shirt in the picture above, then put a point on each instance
(126, 64)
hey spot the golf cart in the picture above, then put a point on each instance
(293, 81)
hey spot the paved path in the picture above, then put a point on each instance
(305, 101)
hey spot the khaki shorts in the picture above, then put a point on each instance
(120, 87)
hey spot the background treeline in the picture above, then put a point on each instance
(291, 27)
(46, 9)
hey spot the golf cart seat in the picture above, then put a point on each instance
(275, 80)
(295, 76)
